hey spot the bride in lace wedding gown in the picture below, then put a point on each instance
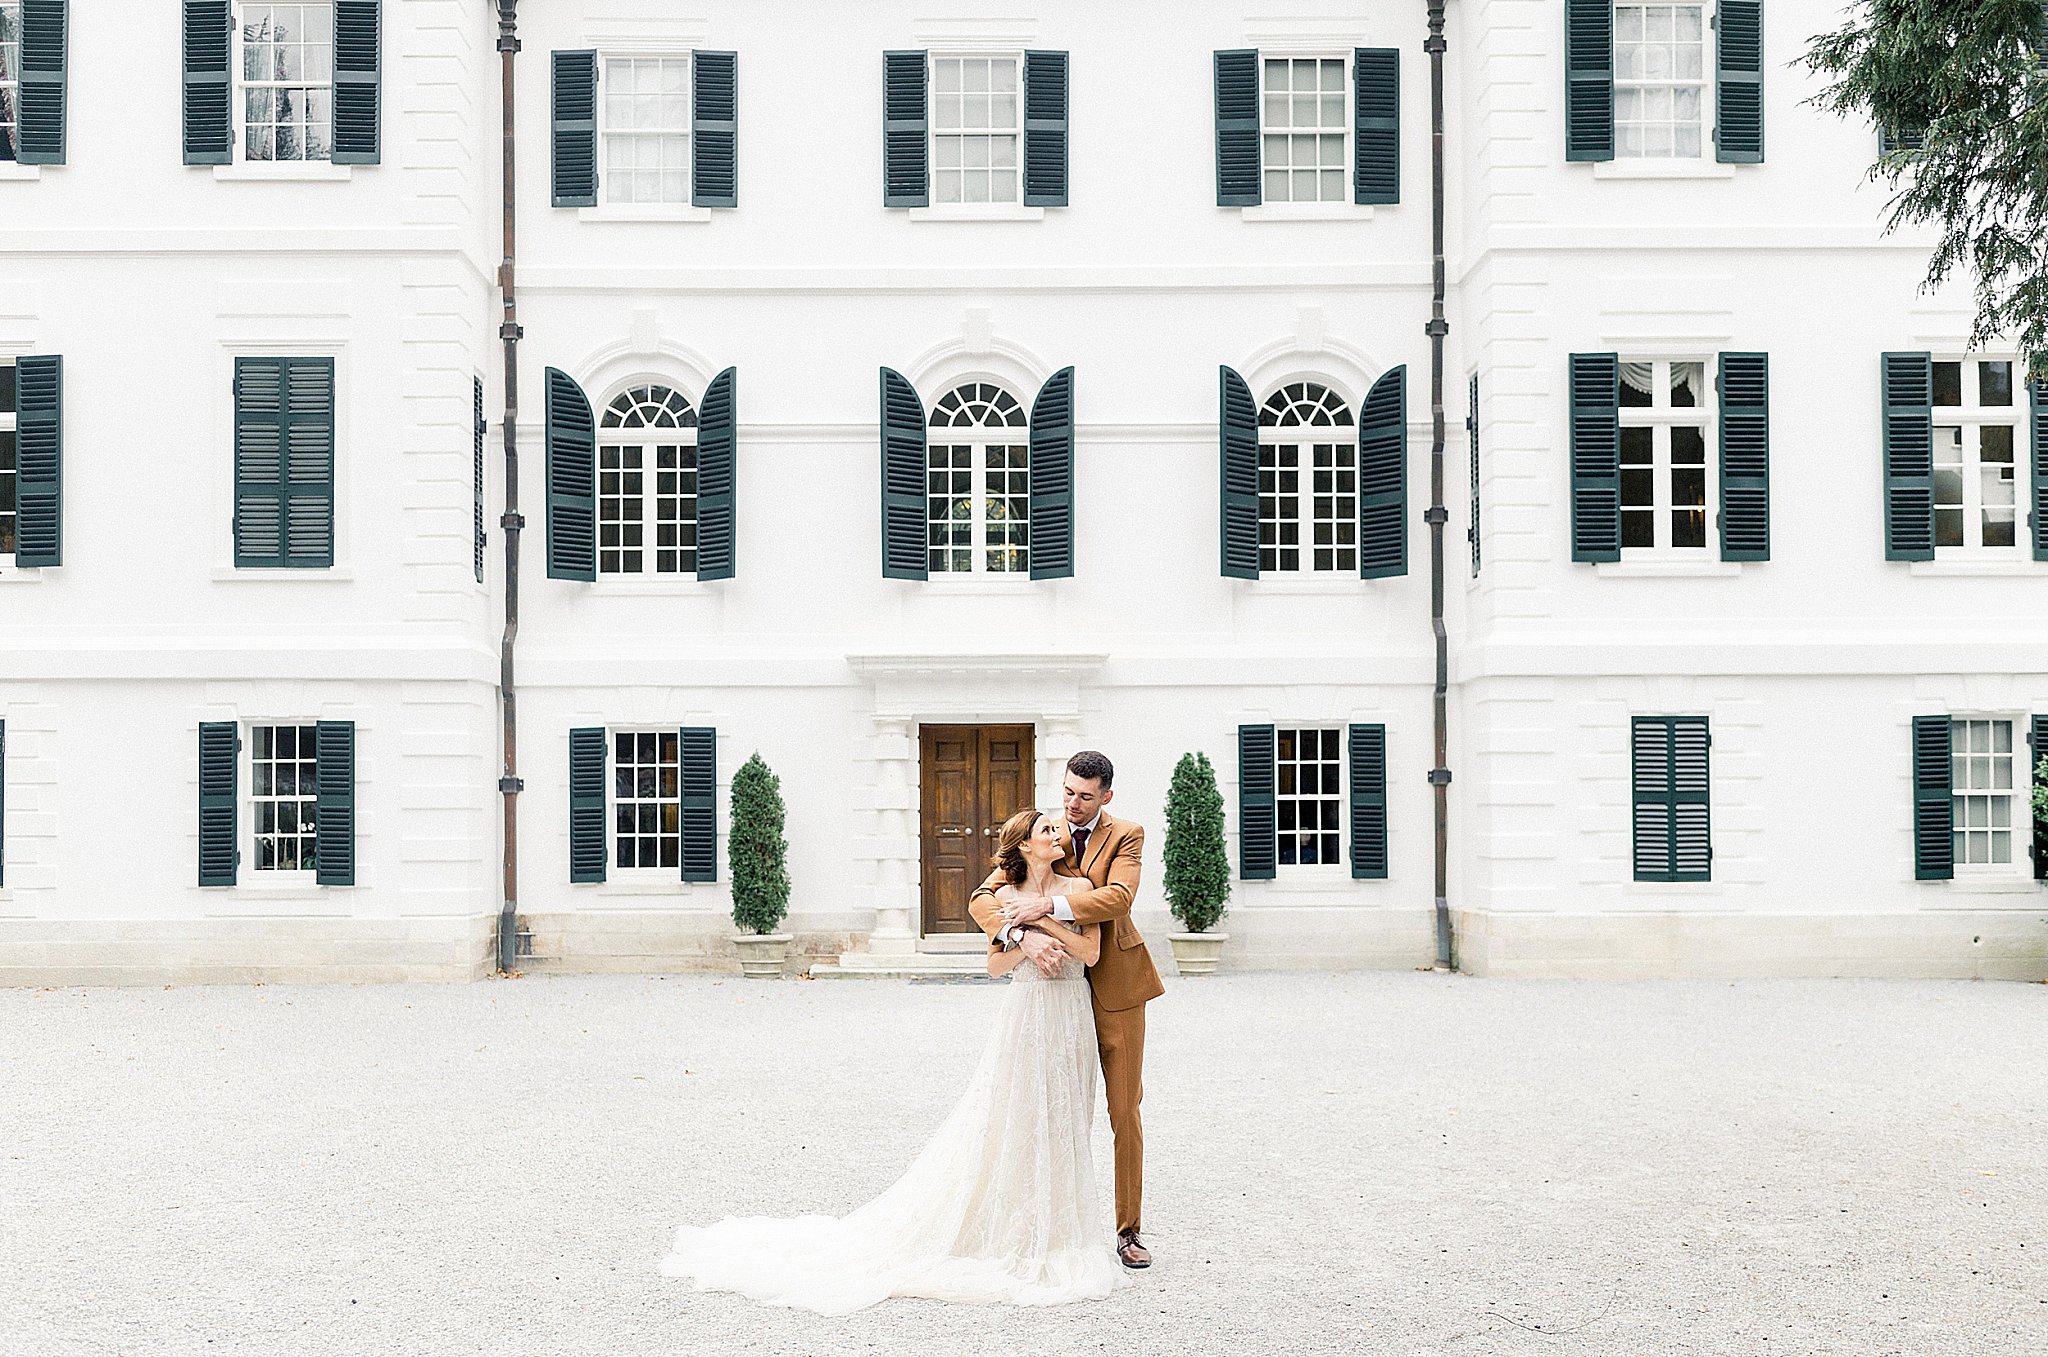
(1001, 1205)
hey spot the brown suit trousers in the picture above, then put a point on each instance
(1121, 981)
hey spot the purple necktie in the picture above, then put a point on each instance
(1080, 846)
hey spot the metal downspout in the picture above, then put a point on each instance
(1440, 774)
(509, 783)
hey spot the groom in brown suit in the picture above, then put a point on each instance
(1106, 851)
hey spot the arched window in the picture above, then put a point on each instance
(647, 484)
(978, 482)
(1308, 481)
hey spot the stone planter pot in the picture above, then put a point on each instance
(762, 954)
(1197, 953)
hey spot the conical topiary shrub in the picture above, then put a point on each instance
(1197, 876)
(2041, 814)
(757, 850)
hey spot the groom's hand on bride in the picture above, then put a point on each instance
(1026, 909)
(1044, 952)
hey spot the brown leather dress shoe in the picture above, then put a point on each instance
(1130, 1252)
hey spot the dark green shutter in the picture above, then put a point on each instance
(714, 129)
(3, 803)
(1258, 825)
(1045, 130)
(1237, 430)
(906, 179)
(1383, 478)
(1739, 82)
(2037, 442)
(208, 129)
(39, 136)
(284, 462)
(1668, 776)
(334, 805)
(1908, 410)
(1052, 478)
(1589, 80)
(1368, 757)
(717, 465)
(1890, 142)
(1745, 393)
(700, 803)
(1933, 807)
(570, 432)
(39, 449)
(574, 116)
(1472, 436)
(219, 759)
(1596, 456)
(479, 428)
(1237, 129)
(904, 541)
(358, 81)
(1376, 140)
(2037, 745)
(586, 804)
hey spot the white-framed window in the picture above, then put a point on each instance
(1661, 89)
(647, 483)
(1308, 770)
(1986, 806)
(1667, 478)
(1979, 439)
(285, 54)
(644, 127)
(647, 800)
(10, 465)
(1305, 128)
(1308, 482)
(977, 129)
(978, 483)
(10, 78)
(283, 790)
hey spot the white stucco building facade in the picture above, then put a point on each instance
(1060, 257)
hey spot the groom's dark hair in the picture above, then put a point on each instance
(1090, 764)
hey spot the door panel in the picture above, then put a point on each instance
(971, 779)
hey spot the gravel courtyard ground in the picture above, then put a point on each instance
(1366, 1163)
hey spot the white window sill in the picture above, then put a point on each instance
(24, 173)
(643, 212)
(1318, 878)
(10, 573)
(977, 212)
(667, 883)
(1656, 569)
(1978, 565)
(677, 586)
(326, 574)
(1674, 887)
(1307, 582)
(1308, 212)
(1662, 169)
(304, 171)
(247, 889)
(984, 583)
(1994, 885)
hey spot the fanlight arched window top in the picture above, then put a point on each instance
(1308, 482)
(978, 405)
(978, 483)
(1303, 403)
(647, 483)
(649, 407)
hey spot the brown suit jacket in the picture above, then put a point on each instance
(1125, 976)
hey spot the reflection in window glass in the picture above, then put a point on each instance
(287, 82)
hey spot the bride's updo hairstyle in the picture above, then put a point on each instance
(1009, 856)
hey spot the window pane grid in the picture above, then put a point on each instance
(977, 130)
(977, 483)
(1324, 509)
(1304, 126)
(1659, 80)
(1309, 797)
(1981, 792)
(287, 81)
(1977, 444)
(646, 130)
(647, 484)
(1666, 475)
(10, 77)
(283, 787)
(647, 803)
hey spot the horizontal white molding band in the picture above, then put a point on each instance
(1096, 279)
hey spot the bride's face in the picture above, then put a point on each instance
(1044, 843)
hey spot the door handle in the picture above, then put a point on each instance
(955, 829)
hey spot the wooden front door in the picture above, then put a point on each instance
(973, 778)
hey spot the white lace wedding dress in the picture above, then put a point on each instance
(1000, 1206)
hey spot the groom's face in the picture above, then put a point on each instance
(1083, 797)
